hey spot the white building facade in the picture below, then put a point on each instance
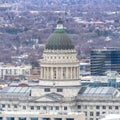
(12, 70)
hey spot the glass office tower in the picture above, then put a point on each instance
(103, 60)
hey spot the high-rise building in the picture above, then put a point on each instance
(103, 60)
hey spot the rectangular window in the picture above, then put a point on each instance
(46, 119)
(110, 107)
(33, 118)
(91, 107)
(51, 107)
(8, 105)
(97, 107)
(85, 113)
(47, 89)
(79, 106)
(57, 118)
(97, 113)
(57, 107)
(38, 107)
(85, 107)
(59, 90)
(116, 107)
(103, 112)
(32, 107)
(24, 107)
(15, 106)
(3, 105)
(91, 113)
(69, 118)
(44, 107)
(65, 107)
(22, 118)
(91, 118)
(10, 118)
(104, 107)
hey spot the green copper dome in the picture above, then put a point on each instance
(59, 39)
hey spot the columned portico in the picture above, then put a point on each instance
(60, 63)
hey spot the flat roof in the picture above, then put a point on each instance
(100, 92)
(15, 91)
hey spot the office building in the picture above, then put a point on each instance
(103, 60)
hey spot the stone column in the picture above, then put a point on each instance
(41, 73)
(78, 71)
(71, 73)
(47, 73)
(44, 73)
(51, 73)
(67, 73)
(74, 72)
(57, 72)
(61, 72)
(64, 73)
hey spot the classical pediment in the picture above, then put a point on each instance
(49, 97)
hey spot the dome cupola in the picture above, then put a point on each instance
(59, 40)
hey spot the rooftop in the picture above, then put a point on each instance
(99, 92)
(15, 91)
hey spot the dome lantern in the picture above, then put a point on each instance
(59, 24)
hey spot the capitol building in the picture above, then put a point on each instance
(54, 98)
(59, 95)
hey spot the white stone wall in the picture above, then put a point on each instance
(45, 107)
(92, 108)
(66, 91)
(29, 115)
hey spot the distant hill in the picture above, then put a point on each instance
(24, 24)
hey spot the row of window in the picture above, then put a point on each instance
(60, 57)
(48, 90)
(36, 107)
(10, 71)
(34, 118)
(98, 107)
(91, 114)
